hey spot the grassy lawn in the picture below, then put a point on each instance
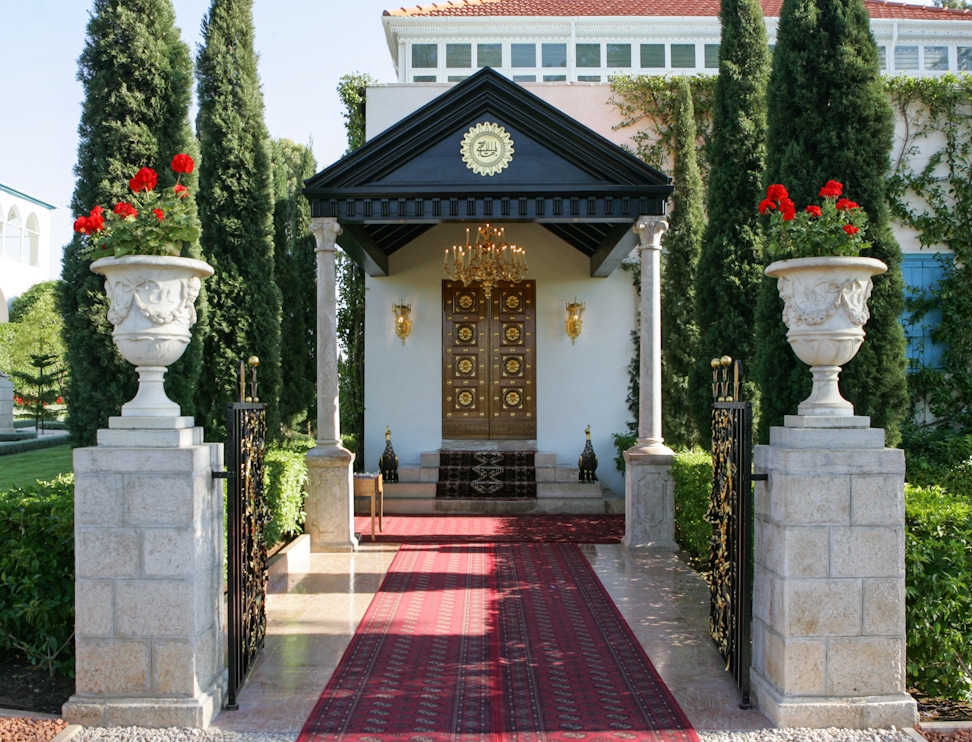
(19, 469)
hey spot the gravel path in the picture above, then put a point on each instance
(137, 734)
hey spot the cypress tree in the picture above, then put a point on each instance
(830, 119)
(137, 78)
(683, 244)
(730, 265)
(295, 265)
(236, 210)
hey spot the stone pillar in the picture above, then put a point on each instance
(648, 488)
(150, 615)
(330, 498)
(6, 404)
(829, 580)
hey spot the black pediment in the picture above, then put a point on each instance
(563, 175)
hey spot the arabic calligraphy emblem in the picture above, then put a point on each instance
(487, 148)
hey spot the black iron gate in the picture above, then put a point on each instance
(731, 515)
(246, 579)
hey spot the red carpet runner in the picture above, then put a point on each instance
(442, 528)
(494, 642)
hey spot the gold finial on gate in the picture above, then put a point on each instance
(252, 362)
(724, 390)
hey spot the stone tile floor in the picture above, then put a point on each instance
(312, 616)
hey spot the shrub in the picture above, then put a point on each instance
(37, 572)
(285, 478)
(939, 457)
(938, 557)
(692, 472)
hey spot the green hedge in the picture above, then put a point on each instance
(938, 556)
(11, 447)
(939, 457)
(285, 479)
(37, 572)
(692, 472)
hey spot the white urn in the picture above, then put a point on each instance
(825, 309)
(152, 308)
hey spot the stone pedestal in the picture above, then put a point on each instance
(829, 581)
(649, 499)
(330, 499)
(149, 577)
(6, 404)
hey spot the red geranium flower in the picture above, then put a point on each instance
(159, 214)
(831, 189)
(844, 204)
(851, 229)
(125, 209)
(814, 210)
(145, 180)
(777, 192)
(182, 163)
(180, 190)
(787, 209)
(766, 206)
(60, 400)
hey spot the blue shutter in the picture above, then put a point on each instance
(922, 273)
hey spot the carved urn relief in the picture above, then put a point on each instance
(825, 309)
(152, 308)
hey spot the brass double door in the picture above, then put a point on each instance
(488, 361)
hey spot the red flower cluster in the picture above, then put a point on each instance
(832, 228)
(150, 222)
(93, 222)
(145, 180)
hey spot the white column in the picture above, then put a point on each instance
(649, 490)
(330, 499)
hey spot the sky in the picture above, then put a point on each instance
(305, 47)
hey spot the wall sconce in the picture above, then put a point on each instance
(575, 309)
(403, 325)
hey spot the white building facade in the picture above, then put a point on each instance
(25, 245)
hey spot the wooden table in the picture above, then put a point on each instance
(370, 486)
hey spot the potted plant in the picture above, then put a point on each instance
(151, 289)
(824, 284)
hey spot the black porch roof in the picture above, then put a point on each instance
(564, 176)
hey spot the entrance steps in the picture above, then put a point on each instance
(558, 491)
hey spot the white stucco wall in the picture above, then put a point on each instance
(25, 245)
(577, 385)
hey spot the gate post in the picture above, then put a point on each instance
(150, 618)
(829, 581)
(649, 492)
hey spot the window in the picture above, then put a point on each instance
(965, 58)
(906, 57)
(922, 273)
(554, 55)
(712, 56)
(555, 78)
(588, 78)
(524, 78)
(619, 55)
(457, 78)
(588, 55)
(423, 78)
(425, 56)
(489, 55)
(458, 55)
(936, 57)
(524, 55)
(883, 57)
(653, 55)
(683, 55)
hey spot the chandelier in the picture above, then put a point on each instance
(488, 260)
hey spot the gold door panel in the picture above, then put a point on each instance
(488, 369)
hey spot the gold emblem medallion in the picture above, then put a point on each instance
(465, 333)
(487, 148)
(513, 366)
(512, 333)
(513, 398)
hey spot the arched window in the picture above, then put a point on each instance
(13, 235)
(33, 239)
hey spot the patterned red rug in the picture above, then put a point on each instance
(495, 642)
(445, 528)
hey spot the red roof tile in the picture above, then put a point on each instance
(643, 8)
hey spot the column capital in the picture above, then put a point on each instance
(326, 231)
(650, 230)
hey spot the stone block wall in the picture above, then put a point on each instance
(829, 580)
(6, 404)
(149, 585)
